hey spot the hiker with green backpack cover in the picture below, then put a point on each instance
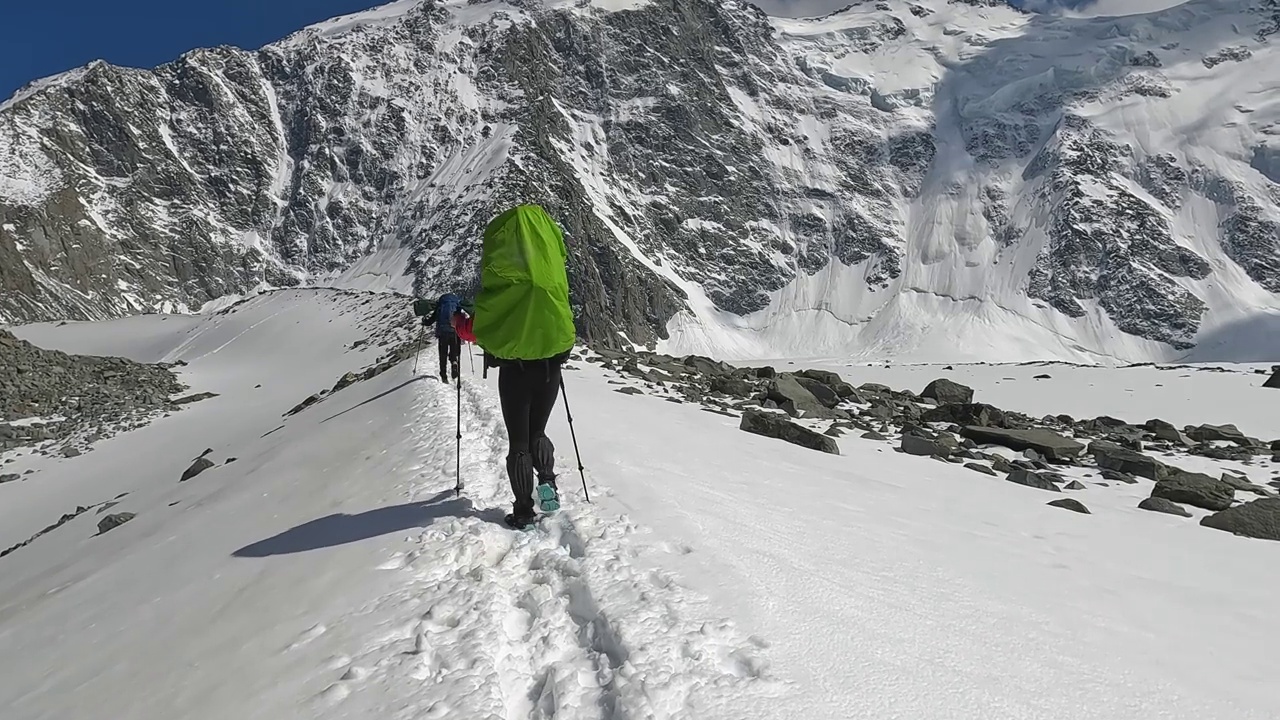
(524, 324)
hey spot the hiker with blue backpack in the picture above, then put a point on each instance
(524, 324)
(442, 313)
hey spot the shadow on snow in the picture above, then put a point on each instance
(342, 529)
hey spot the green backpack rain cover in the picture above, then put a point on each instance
(522, 311)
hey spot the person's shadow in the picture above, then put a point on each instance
(340, 529)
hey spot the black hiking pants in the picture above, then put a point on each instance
(527, 390)
(450, 352)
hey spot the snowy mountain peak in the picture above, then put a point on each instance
(923, 179)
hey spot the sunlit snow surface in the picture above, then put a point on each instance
(329, 571)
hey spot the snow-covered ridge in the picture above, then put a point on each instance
(895, 178)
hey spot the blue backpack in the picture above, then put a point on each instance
(449, 304)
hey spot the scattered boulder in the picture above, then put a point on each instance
(1195, 489)
(629, 390)
(10, 477)
(916, 445)
(823, 392)
(197, 397)
(1166, 431)
(978, 414)
(1050, 445)
(1117, 476)
(873, 435)
(946, 392)
(1111, 456)
(1257, 519)
(826, 377)
(772, 425)
(1160, 505)
(113, 521)
(730, 385)
(1273, 381)
(1074, 485)
(1030, 478)
(1243, 485)
(201, 464)
(311, 400)
(797, 401)
(1209, 433)
(1070, 504)
(979, 467)
(1233, 452)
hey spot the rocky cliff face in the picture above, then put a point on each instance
(781, 180)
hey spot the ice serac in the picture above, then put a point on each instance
(921, 179)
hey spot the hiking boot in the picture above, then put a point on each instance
(444, 377)
(455, 368)
(519, 520)
(548, 498)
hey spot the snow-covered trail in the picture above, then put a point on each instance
(559, 622)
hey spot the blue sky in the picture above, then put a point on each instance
(49, 37)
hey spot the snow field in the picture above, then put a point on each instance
(896, 586)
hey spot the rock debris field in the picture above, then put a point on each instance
(943, 422)
(58, 403)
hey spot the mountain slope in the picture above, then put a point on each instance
(925, 179)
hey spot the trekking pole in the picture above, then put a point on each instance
(581, 471)
(471, 356)
(418, 353)
(457, 488)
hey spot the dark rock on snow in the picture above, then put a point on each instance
(1031, 478)
(772, 425)
(979, 467)
(114, 521)
(1258, 519)
(1209, 433)
(966, 414)
(945, 392)
(1166, 431)
(794, 398)
(1051, 445)
(916, 445)
(200, 465)
(1111, 456)
(1243, 485)
(1160, 505)
(1118, 476)
(1070, 504)
(1202, 491)
(823, 392)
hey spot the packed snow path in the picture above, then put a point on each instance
(559, 621)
